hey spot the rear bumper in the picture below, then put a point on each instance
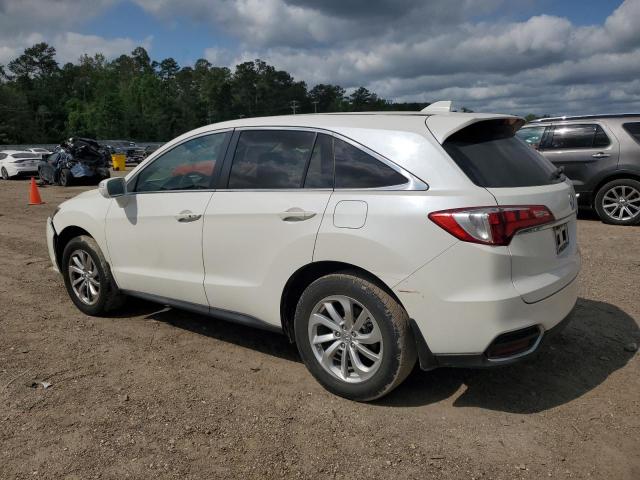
(430, 361)
(19, 170)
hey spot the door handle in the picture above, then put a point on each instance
(600, 155)
(187, 216)
(296, 214)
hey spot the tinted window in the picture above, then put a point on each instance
(531, 135)
(491, 156)
(320, 173)
(578, 136)
(357, 169)
(189, 166)
(271, 159)
(633, 129)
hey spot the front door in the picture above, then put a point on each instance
(154, 232)
(583, 150)
(262, 226)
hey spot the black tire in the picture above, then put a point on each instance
(398, 355)
(65, 177)
(108, 297)
(5, 174)
(41, 179)
(629, 185)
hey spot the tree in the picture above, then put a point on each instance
(36, 61)
(327, 98)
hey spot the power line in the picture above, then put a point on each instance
(294, 105)
(315, 106)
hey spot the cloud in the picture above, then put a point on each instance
(70, 46)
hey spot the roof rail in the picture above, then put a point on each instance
(438, 107)
(581, 117)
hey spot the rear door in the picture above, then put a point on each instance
(583, 150)
(544, 259)
(262, 222)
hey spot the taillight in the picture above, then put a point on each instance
(491, 225)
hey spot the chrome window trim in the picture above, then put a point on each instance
(413, 183)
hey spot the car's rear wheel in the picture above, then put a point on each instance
(4, 173)
(618, 202)
(88, 278)
(65, 177)
(354, 337)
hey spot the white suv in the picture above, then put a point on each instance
(368, 239)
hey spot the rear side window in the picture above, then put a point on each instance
(578, 136)
(320, 172)
(266, 159)
(491, 156)
(633, 129)
(358, 169)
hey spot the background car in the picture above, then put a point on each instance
(74, 159)
(601, 156)
(39, 150)
(14, 163)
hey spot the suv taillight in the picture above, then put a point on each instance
(491, 225)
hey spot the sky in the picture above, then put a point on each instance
(512, 56)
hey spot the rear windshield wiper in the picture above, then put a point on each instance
(558, 173)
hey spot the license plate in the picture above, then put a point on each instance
(561, 233)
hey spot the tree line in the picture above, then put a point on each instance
(133, 97)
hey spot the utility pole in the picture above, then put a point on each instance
(294, 105)
(315, 106)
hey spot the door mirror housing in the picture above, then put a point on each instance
(112, 187)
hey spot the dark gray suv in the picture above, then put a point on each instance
(600, 154)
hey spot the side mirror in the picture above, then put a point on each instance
(112, 187)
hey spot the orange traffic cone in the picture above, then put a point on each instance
(34, 194)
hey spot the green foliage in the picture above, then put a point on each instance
(136, 98)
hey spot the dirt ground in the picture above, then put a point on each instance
(154, 392)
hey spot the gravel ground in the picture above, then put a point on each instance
(154, 392)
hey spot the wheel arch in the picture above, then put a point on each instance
(65, 236)
(309, 273)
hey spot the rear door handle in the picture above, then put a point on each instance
(296, 214)
(600, 155)
(187, 216)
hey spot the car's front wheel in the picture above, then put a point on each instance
(88, 278)
(618, 202)
(354, 337)
(4, 173)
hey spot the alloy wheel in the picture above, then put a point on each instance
(345, 338)
(84, 277)
(621, 202)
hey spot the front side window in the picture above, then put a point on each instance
(578, 136)
(189, 166)
(267, 159)
(531, 136)
(357, 169)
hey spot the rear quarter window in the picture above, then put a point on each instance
(492, 156)
(633, 129)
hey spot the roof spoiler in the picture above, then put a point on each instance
(438, 107)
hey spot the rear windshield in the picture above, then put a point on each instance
(492, 156)
(633, 128)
